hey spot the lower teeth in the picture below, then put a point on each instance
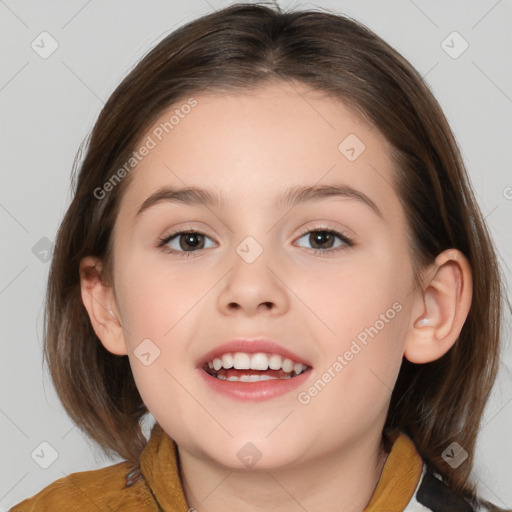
(251, 378)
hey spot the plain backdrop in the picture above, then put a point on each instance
(49, 104)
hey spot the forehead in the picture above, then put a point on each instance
(257, 143)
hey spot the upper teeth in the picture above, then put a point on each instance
(258, 361)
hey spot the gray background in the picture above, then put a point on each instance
(49, 105)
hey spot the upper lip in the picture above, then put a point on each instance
(249, 346)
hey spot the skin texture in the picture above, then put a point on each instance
(323, 455)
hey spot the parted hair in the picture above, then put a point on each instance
(239, 48)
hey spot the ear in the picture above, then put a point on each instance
(99, 300)
(441, 308)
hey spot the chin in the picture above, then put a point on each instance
(243, 454)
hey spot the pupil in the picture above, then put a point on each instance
(189, 240)
(321, 236)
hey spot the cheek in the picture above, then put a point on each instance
(366, 307)
(153, 299)
(353, 383)
(158, 305)
(352, 294)
(161, 303)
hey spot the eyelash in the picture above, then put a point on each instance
(348, 242)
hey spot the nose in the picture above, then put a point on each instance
(254, 287)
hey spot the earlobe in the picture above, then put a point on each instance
(99, 300)
(442, 308)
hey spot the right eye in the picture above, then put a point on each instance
(181, 242)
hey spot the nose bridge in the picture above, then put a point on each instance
(252, 234)
(250, 250)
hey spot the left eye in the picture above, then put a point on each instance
(185, 241)
(324, 239)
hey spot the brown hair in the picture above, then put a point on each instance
(239, 48)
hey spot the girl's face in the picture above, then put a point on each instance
(327, 277)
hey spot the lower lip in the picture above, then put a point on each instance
(254, 391)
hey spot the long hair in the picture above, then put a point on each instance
(239, 48)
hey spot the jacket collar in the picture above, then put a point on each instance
(159, 465)
(399, 478)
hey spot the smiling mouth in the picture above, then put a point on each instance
(244, 367)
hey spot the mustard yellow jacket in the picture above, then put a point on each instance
(406, 484)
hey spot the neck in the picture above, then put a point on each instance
(340, 480)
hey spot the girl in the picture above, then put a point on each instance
(274, 249)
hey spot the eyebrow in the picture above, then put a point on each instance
(196, 196)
